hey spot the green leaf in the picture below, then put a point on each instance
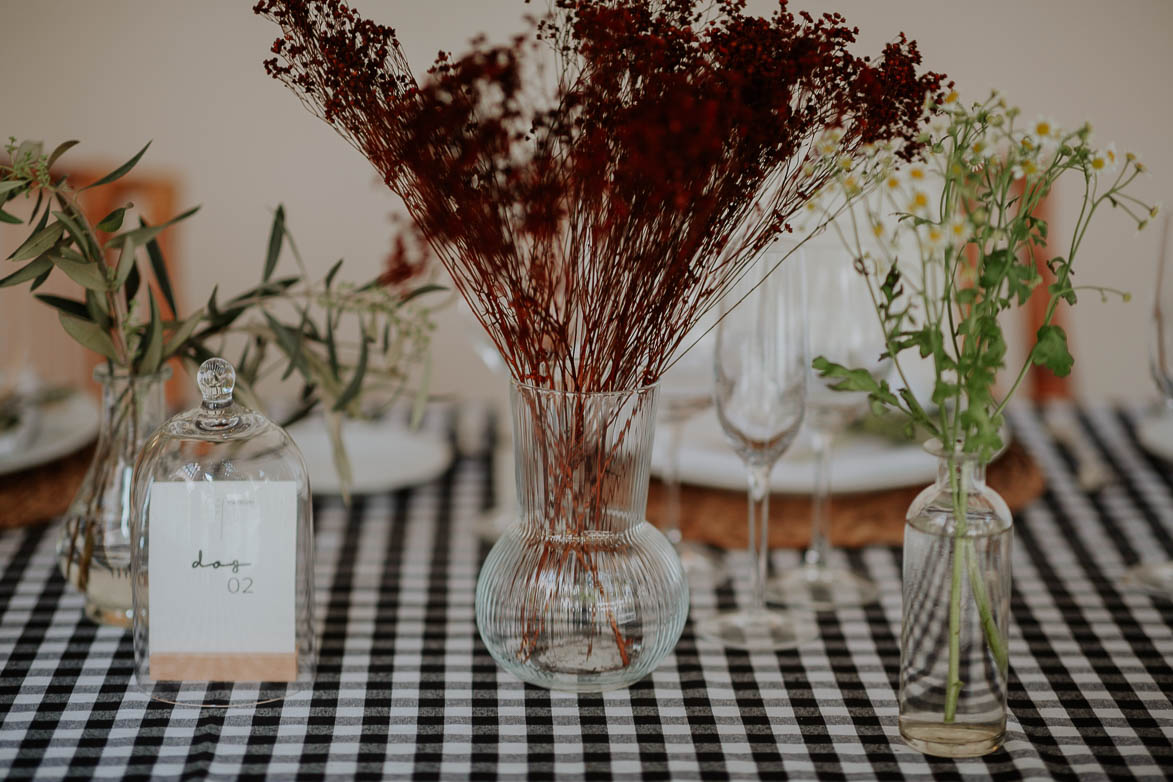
(10, 219)
(333, 270)
(125, 264)
(181, 334)
(87, 275)
(355, 384)
(29, 272)
(61, 149)
(8, 187)
(146, 232)
(153, 354)
(113, 221)
(41, 279)
(69, 306)
(1051, 351)
(119, 172)
(854, 380)
(97, 311)
(420, 291)
(132, 284)
(331, 347)
(39, 242)
(80, 236)
(89, 335)
(159, 269)
(287, 342)
(276, 236)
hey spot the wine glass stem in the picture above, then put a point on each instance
(816, 553)
(759, 527)
(672, 484)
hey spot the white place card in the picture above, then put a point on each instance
(222, 569)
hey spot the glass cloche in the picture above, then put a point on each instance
(222, 555)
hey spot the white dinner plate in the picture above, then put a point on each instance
(1154, 430)
(859, 462)
(64, 427)
(384, 455)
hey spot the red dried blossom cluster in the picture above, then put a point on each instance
(591, 224)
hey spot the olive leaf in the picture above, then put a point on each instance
(276, 236)
(87, 275)
(69, 306)
(39, 242)
(113, 221)
(28, 272)
(355, 384)
(153, 353)
(159, 269)
(89, 335)
(119, 172)
(61, 149)
(181, 334)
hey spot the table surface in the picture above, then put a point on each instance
(405, 687)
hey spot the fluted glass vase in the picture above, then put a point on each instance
(581, 593)
(953, 645)
(93, 551)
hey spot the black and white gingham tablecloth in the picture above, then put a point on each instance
(405, 688)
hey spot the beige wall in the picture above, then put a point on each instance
(187, 75)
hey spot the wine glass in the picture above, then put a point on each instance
(686, 390)
(1156, 578)
(843, 327)
(760, 363)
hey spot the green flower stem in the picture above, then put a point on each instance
(965, 561)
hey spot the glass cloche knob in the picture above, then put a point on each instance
(216, 380)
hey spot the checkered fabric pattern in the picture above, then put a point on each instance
(405, 688)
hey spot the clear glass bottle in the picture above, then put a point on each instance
(222, 556)
(93, 550)
(582, 593)
(953, 643)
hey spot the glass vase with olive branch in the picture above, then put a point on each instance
(124, 310)
(947, 244)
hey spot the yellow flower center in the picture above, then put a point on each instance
(893, 183)
(916, 173)
(1098, 163)
(920, 200)
(1043, 129)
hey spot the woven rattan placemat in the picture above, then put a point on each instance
(42, 493)
(718, 517)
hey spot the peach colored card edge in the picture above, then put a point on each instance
(223, 667)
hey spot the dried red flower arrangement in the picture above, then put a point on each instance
(595, 186)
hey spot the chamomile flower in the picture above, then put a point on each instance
(981, 147)
(1103, 161)
(916, 173)
(957, 231)
(919, 202)
(1044, 128)
(934, 237)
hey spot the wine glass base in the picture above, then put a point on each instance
(700, 562)
(757, 630)
(1155, 578)
(821, 588)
